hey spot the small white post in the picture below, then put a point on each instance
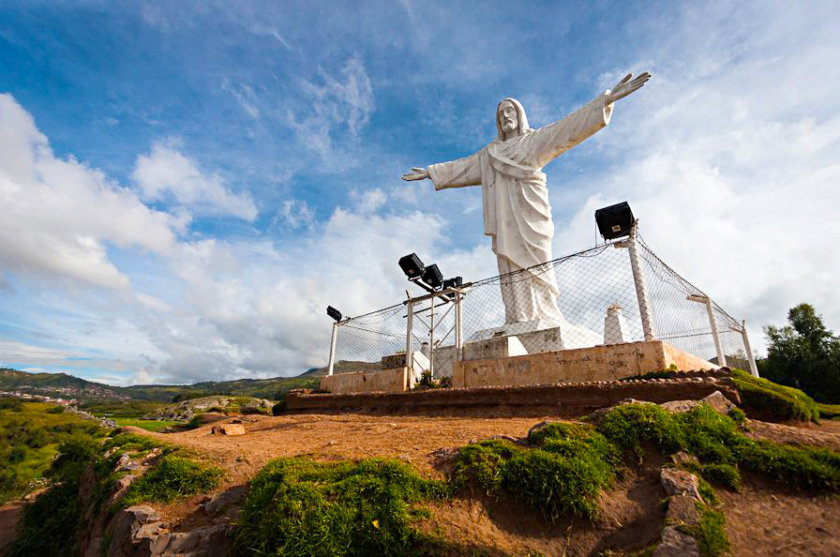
(409, 331)
(746, 339)
(641, 291)
(721, 357)
(332, 348)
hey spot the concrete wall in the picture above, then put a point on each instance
(599, 363)
(386, 380)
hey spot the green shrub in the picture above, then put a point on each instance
(766, 400)
(717, 439)
(296, 506)
(632, 426)
(482, 464)
(55, 410)
(174, 477)
(563, 471)
(10, 403)
(725, 475)
(49, 525)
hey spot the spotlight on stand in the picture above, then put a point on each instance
(452, 282)
(615, 221)
(433, 277)
(412, 266)
(334, 313)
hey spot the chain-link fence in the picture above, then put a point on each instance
(597, 293)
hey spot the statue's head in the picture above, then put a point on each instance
(511, 119)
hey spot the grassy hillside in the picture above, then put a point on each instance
(67, 386)
(57, 385)
(30, 435)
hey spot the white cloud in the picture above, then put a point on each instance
(167, 174)
(245, 96)
(294, 214)
(48, 203)
(346, 100)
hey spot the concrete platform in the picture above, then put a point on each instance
(598, 363)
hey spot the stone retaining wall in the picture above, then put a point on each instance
(567, 400)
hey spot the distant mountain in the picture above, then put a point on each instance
(57, 385)
(68, 386)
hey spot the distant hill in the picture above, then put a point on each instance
(57, 385)
(68, 386)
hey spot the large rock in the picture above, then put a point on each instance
(228, 429)
(716, 400)
(138, 532)
(682, 510)
(679, 482)
(130, 532)
(224, 499)
(676, 544)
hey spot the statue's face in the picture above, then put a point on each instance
(509, 118)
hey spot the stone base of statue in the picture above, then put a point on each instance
(543, 336)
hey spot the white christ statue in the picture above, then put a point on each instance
(517, 214)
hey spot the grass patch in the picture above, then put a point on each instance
(148, 425)
(562, 471)
(174, 477)
(766, 400)
(829, 411)
(709, 532)
(296, 506)
(717, 440)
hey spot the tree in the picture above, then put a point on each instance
(804, 354)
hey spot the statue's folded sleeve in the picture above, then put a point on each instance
(457, 174)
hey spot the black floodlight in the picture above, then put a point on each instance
(334, 313)
(412, 266)
(433, 277)
(614, 221)
(452, 282)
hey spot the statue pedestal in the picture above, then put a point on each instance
(542, 336)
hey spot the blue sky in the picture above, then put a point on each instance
(187, 185)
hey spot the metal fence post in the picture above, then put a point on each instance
(750, 356)
(459, 327)
(432, 336)
(409, 331)
(641, 291)
(332, 348)
(721, 357)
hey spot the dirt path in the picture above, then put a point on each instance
(10, 514)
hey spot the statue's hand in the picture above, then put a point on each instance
(416, 174)
(625, 87)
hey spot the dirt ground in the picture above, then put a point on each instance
(763, 519)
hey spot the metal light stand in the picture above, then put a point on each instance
(645, 311)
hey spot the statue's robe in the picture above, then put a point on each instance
(517, 213)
